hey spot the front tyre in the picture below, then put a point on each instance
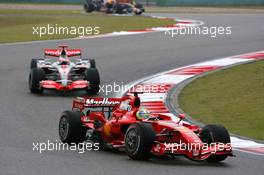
(92, 75)
(92, 63)
(70, 127)
(35, 77)
(139, 139)
(212, 134)
(33, 63)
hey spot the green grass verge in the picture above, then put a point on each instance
(17, 25)
(233, 97)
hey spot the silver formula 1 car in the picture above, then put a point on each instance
(63, 69)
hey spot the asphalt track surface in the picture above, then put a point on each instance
(27, 118)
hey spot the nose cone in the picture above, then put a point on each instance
(64, 82)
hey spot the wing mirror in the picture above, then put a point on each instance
(181, 117)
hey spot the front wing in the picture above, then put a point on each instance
(193, 152)
(50, 84)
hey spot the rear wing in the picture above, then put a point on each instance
(81, 102)
(102, 102)
(57, 52)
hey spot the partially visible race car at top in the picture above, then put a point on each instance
(63, 69)
(123, 123)
(114, 6)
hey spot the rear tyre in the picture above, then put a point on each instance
(70, 127)
(212, 134)
(35, 77)
(139, 139)
(92, 75)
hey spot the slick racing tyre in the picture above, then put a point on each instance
(70, 127)
(92, 62)
(139, 139)
(92, 75)
(35, 77)
(212, 134)
(89, 6)
(33, 63)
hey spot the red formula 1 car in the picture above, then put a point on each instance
(124, 123)
(63, 69)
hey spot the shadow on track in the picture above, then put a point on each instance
(164, 161)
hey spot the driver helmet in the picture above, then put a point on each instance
(143, 114)
(63, 59)
(110, 1)
(125, 105)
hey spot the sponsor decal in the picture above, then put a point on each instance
(53, 52)
(104, 101)
(56, 52)
(73, 52)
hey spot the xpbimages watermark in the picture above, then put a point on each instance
(50, 146)
(213, 147)
(212, 32)
(79, 31)
(121, 88)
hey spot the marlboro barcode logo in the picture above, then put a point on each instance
(103, 101)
